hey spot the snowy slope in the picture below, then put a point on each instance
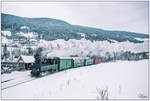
(124, 80)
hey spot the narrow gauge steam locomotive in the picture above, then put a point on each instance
(62, 63)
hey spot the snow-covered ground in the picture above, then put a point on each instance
(123, 79)
(14, 78)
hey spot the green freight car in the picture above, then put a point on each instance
(65, 63)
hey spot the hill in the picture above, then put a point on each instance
(52, 29)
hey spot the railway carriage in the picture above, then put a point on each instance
(97, 61)
(78, 62)
(88, 62)
(65, 63)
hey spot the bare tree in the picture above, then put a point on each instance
(102, 94)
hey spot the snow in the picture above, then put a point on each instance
(14, 78)
(82, 34)
(28, 35)
(5, 40)
(33, 40)
(24, 27)
(15, 60)
(6, 33)
(27, 59)
(124, 80)
(74, 58)
(141, 39)
(85, 47)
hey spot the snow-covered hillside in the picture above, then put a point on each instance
(122, 79)
(85, 47)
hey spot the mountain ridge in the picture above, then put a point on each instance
(52, 29)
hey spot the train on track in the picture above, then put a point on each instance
(61, 63)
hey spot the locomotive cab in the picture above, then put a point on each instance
(46, 65)
(35, 70)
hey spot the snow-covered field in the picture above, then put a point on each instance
(122, 79)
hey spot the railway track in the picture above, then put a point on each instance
(19, 82)
(6, 80)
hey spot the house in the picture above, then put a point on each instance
(14, 45)
(26, 61)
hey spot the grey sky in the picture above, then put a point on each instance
(127, 16)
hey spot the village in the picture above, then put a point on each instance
(17, 54)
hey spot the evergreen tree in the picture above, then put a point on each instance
(5, 52)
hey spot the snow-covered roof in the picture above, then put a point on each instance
(74, 58)
(65, 57)
(80, 58)
(33, 40)
(27, 59)
(24, 27)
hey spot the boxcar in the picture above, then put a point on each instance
(97, 61)
(78, 62)
(65, 63)
(88, 62)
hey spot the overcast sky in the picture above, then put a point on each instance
(127, 16)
